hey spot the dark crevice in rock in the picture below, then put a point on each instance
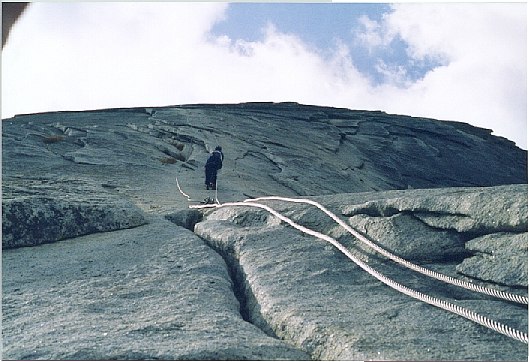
(289, 185)
(419, 215)
(269, 142)
(455, 258)
(375, 210)
(248, 305)
(185, 218)
(463, 235)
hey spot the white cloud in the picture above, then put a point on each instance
(280, 68)
(485, 80)
(94, 55)
(372, 36)
(484, 77)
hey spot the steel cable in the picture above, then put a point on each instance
(182, 191)
(463, 312)
(430, 273)
(189, 199)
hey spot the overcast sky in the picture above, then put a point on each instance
(451, 61)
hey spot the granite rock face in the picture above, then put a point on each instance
(500, 258)
(152, 292)
(443, 220)
(305, 291)
(37, 211)
(114, 274)
(286, 149)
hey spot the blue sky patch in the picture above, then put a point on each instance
(321, 26)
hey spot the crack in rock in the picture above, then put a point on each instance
(249, 309)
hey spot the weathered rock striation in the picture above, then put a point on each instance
(122, 269)
(285, 148)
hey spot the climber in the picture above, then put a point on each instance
(213, 164)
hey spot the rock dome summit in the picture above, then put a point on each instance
(103, 258)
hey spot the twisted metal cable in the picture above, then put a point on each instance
(216, 192)
(430, 273)
(189, 199)
(182, 191)
(463, 312)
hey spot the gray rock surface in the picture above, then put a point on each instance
(442, 219)
(500, 258)
(37, 211)
(286, 149)
(403, 234)
(185, 218)
(307, 292)
(116, 275)
(153, 292)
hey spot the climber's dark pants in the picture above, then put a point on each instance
(211, 176)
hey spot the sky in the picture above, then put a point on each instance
(463, 62)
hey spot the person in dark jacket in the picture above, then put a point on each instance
(213, 164)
